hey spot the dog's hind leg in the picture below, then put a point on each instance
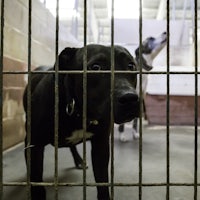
(121, 128)
(122, 135)
(135, 129)
(77, 158)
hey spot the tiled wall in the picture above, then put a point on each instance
(16, 56)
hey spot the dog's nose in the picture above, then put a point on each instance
(128, 98)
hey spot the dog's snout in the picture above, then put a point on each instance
(128, 98)
(127, 107)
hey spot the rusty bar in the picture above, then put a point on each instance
(111, 97)
(1, 99)
(196, 101)
(102, 71)
(141, 102)
(56, 112)
(51, 184)
(168, 106)
(85, 100)
(28, 151)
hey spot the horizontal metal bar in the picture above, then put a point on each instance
(49, 184)
(99, 72)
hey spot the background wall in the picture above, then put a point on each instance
(16, 57)
(43, 47)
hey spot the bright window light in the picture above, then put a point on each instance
(125, 9)
(66, 8)
(122, 8)
(63, 4)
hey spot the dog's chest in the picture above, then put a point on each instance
(71, 130)
(77, 136)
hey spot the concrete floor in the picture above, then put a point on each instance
(126, 167)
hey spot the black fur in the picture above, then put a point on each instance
(126, 107)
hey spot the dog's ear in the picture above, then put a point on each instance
(137, 56)
(144, 63)
(66, 58)
(137, 52)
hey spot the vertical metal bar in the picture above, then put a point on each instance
(168, 107)
(1, 99)
(56, 111)
(111, 97)
(141, 101)
(28, 150)
(196, 102)
(84, 100)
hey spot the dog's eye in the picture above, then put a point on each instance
(131, 66)
(95, 67)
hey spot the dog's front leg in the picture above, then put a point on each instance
(77, 158)
(100, 160)
(36, 171)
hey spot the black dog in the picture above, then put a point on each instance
(125, 106)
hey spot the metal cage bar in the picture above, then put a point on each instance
(111, 97)
(56, 100)
(141, 101)
(168, 105)
(196, 101)
(1, 99)
(51, 184)
(28, 147)
(99, 72)
(84, 100)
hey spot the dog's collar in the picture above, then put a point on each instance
(94, 122)
(71, 109)
(145, 65)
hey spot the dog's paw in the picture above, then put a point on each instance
(136, 135)
(81, 166)
(123, 137)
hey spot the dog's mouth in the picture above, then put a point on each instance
(164, 40)
(125, 112)
(123, 117)
(146, 66)
(164, 37)
(97, 111)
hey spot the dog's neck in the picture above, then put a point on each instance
(148, 56)
(149, 59)
(71, 109)
(146, 62)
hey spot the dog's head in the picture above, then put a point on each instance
(150, 49)
(99, 86)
